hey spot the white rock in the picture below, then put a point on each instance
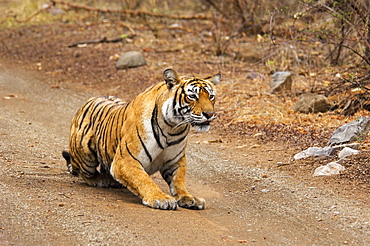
(306, 153)
(315, 151)
(331, 168)
(336, 165)
(345, 152)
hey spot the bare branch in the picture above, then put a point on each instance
(132, 12)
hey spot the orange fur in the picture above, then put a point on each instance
(113, 143)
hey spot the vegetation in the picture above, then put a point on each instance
(325, 43)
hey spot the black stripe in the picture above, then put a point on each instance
(80, 160)
(176, 141)
(179, 133)
(155, 127)
(93, 152)
(91, 108)
(193, 80)
(168, 174)
(177, 98)
(168, 123)
(96, 110)
(133, 157)
(143, 144)
(184, 110)
(102, 112)
(121, 116)
(86, 109)
(85, 131)
(180, 153)
(105, 133)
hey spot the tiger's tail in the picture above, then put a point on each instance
(73, 170)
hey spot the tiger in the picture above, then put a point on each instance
(118, 144)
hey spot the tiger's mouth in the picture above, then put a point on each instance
(205, 123)
(202, 126)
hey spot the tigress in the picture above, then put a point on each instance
(113, 143)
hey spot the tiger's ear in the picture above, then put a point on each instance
(171, 78)
(215, 79)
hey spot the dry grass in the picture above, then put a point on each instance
(243, 96)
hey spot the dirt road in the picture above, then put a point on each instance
(41, 204)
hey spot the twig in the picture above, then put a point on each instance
(128, 11)
(36, 13)
(283, 164)
(168, 51)
(128, 27)
(103, 40)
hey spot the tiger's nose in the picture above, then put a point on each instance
(208, 114)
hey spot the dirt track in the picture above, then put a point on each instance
(41, 204)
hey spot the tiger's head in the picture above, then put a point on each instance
(191, 100)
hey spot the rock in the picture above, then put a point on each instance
(281, 81)
(311, 103)
(355, 131)
(348, 152)
(315, 151)
(326, 151)
(331, 168)
(306, 153)
(130, 59)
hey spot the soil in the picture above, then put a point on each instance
(255, 192)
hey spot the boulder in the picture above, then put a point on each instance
(311, 103)
(130, 59)
(281, 81)
(355, 131)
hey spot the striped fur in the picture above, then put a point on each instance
(113, 143)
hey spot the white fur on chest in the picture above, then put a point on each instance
(152, 157)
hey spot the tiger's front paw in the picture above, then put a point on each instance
(161, 201)
(191, 202)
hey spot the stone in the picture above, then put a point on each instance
(355, 131)
(316, 152)
(130, 59)
(281, 81)
(312, 103)
(345, 152)
(331, 168)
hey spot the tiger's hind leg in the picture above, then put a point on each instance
(96, 177)
(101, 181)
